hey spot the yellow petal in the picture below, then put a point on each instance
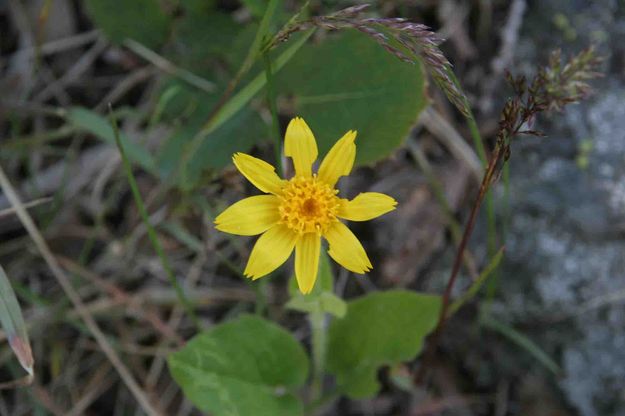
(300, 145)
(307, 253)
(271, 250)
(250, 216)
(366, 206)
(346, 250)
(339, 160)
(260, 173)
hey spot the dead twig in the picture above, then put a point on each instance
(75, 71)
(168, 67)
(10, 211)
(71, 293)
(120, 297)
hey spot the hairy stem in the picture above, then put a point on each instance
(319, 348)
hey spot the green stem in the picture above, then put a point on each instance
(317, 320)
(260, 289)
(150, 229)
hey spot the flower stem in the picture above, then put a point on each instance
(317, 320)
(491, 220)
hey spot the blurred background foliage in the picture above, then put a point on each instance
(163, 65)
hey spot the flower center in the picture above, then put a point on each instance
(308, 205)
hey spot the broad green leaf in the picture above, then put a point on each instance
(382, 328)
(141, 20)
(333, 304)
(13, 324)
(203, 37)
(350, 82)
(100, 127)
(248, 366)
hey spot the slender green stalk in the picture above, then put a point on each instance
(521, 340)
(477, 284)
(271, 100)
(150, 229)
(39, 139)
(319, 349)
(168, 67)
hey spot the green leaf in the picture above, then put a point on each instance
(201, 37)
(256, 7)
(248, 366)
(333, 304)
(217, 136)
(351, 82)
(240, 99)
(321, 299)
(141, 20)
(382, 328)
(100, 127)
(236, 135)
(13, 324)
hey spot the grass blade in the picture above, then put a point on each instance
(13, 324)
(168, 67)
(238, 101)
(97, 125)
(477, 284)
(522, 341)
(73, 295)
(184, 301)
(250, 90)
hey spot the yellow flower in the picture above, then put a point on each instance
(296, 213)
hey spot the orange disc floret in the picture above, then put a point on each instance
(308, 205)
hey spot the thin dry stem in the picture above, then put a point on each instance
(71, 293)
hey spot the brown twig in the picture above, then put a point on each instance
(446, 299)
(123, 298)
(555, 86)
